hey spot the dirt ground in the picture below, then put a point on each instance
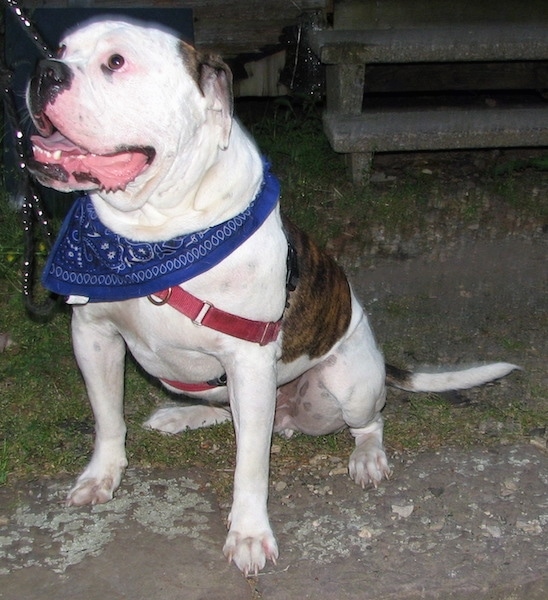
(475, 301)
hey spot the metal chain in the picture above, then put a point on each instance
(32, 211)
(32, 32)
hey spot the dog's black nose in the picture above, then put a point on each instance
(53, 74)
(51, 78)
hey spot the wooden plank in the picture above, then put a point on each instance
(260, 8)
(404, 130)
(403, 14)
(458, 43)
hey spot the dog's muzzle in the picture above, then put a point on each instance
(52, 77)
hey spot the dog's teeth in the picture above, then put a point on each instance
(57, 155)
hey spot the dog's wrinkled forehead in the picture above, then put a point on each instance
(138, 45)
(88, 37)
(150, 46)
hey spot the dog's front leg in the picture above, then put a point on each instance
(100, 352)
(252, 389)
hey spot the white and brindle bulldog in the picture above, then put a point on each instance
(178, 252)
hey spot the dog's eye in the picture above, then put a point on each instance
(60, 52)
(115, 62)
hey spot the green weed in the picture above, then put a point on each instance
(508, 167)
(4, 462)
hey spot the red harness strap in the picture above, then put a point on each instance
(204, 313)
(188, 388)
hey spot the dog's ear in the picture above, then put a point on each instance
(216, 84)
(214, 79)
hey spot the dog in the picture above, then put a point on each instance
(178, 253)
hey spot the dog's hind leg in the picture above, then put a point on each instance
(361, 399)
(362, 403)
(346, 390)
(174, 419)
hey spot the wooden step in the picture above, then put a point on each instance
(455, 43)
(402, 130)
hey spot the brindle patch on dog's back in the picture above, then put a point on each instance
(319, 309)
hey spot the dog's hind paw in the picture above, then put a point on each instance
(368, 466)
(250, 553)
(175, 419)
(368, 463)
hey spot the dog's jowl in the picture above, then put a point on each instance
(177, 252)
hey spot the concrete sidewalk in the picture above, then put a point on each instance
(450, 524)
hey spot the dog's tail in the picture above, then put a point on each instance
(445, 381)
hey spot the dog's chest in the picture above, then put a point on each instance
(165, 343)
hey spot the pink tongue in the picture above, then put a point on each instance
(111, 171)
(54, 142)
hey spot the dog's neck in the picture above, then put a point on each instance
(198, 197)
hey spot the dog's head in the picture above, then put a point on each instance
(123, 106)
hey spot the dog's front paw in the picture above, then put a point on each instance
(97, 484)
(91, 491)
(250, 552)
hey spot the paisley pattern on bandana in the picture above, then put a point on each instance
(88, 259)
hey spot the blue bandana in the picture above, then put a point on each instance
(88, 259)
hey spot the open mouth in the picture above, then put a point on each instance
(56, 158)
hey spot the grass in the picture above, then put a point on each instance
(11, 248)
(46, 426)
(429, 421)
(4, 463)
